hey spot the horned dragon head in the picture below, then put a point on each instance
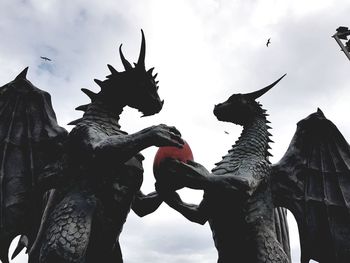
(242, 108)
(135, 87)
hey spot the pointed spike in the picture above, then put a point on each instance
(268, 127)
(22, 243)
(99, 82)
(150, 71)
(112, 69)
(23, 74)
(89, 93)
(126, 63)
(82, 107)
(75, 122)
(155, 75)
(269, 154)
(157, 82)
(267, 121)
(270, 141)
(320, 112)
(269, 134)
(141, 60)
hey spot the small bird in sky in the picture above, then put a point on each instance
(268, 42)
(45, 58)
(226, 132)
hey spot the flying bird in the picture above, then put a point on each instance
(268, 42)
(46, 58)
(226, 132)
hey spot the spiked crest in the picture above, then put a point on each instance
(140, 86)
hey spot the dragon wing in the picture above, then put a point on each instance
(30, 138)
(312, 180)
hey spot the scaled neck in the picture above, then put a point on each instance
(99, 113)
(254, 139)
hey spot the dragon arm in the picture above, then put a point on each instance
(244, 183)
(146, 204)
(123, 147)
(88, 143)
(194, 175)
(194, 213)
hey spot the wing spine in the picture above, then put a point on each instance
(2, 174)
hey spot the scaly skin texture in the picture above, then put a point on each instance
(104, 184)
(237, 201)
(247, 225)
(93, 208)
(98, 179)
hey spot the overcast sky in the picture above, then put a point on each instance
(204, 51)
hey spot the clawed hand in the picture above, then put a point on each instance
(167, 194)
(163, 135)
(190, 174)
(167, 175)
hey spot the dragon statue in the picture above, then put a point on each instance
(243, 193)
(69, 194)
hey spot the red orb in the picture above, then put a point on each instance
(183, 154)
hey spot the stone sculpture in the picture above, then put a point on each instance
(242, 192)
(69, 194)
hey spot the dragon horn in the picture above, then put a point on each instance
(141, 60)
(126, 63)
(256, 94)
(23, 74)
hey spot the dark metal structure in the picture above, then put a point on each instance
(242, 192)
(69, 194)
(341, 35)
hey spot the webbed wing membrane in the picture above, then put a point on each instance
(312, 180)
(30, 138)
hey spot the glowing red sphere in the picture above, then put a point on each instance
(183, 154)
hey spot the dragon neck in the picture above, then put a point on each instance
(253, 143)
(254, 139)
(97, 112)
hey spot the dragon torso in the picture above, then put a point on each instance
(96, 202)
(244, 227)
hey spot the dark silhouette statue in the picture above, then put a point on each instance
(69, 194)
(244, 193)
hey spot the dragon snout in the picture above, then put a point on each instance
(154, 109)
(223, 112)
(217, 110)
